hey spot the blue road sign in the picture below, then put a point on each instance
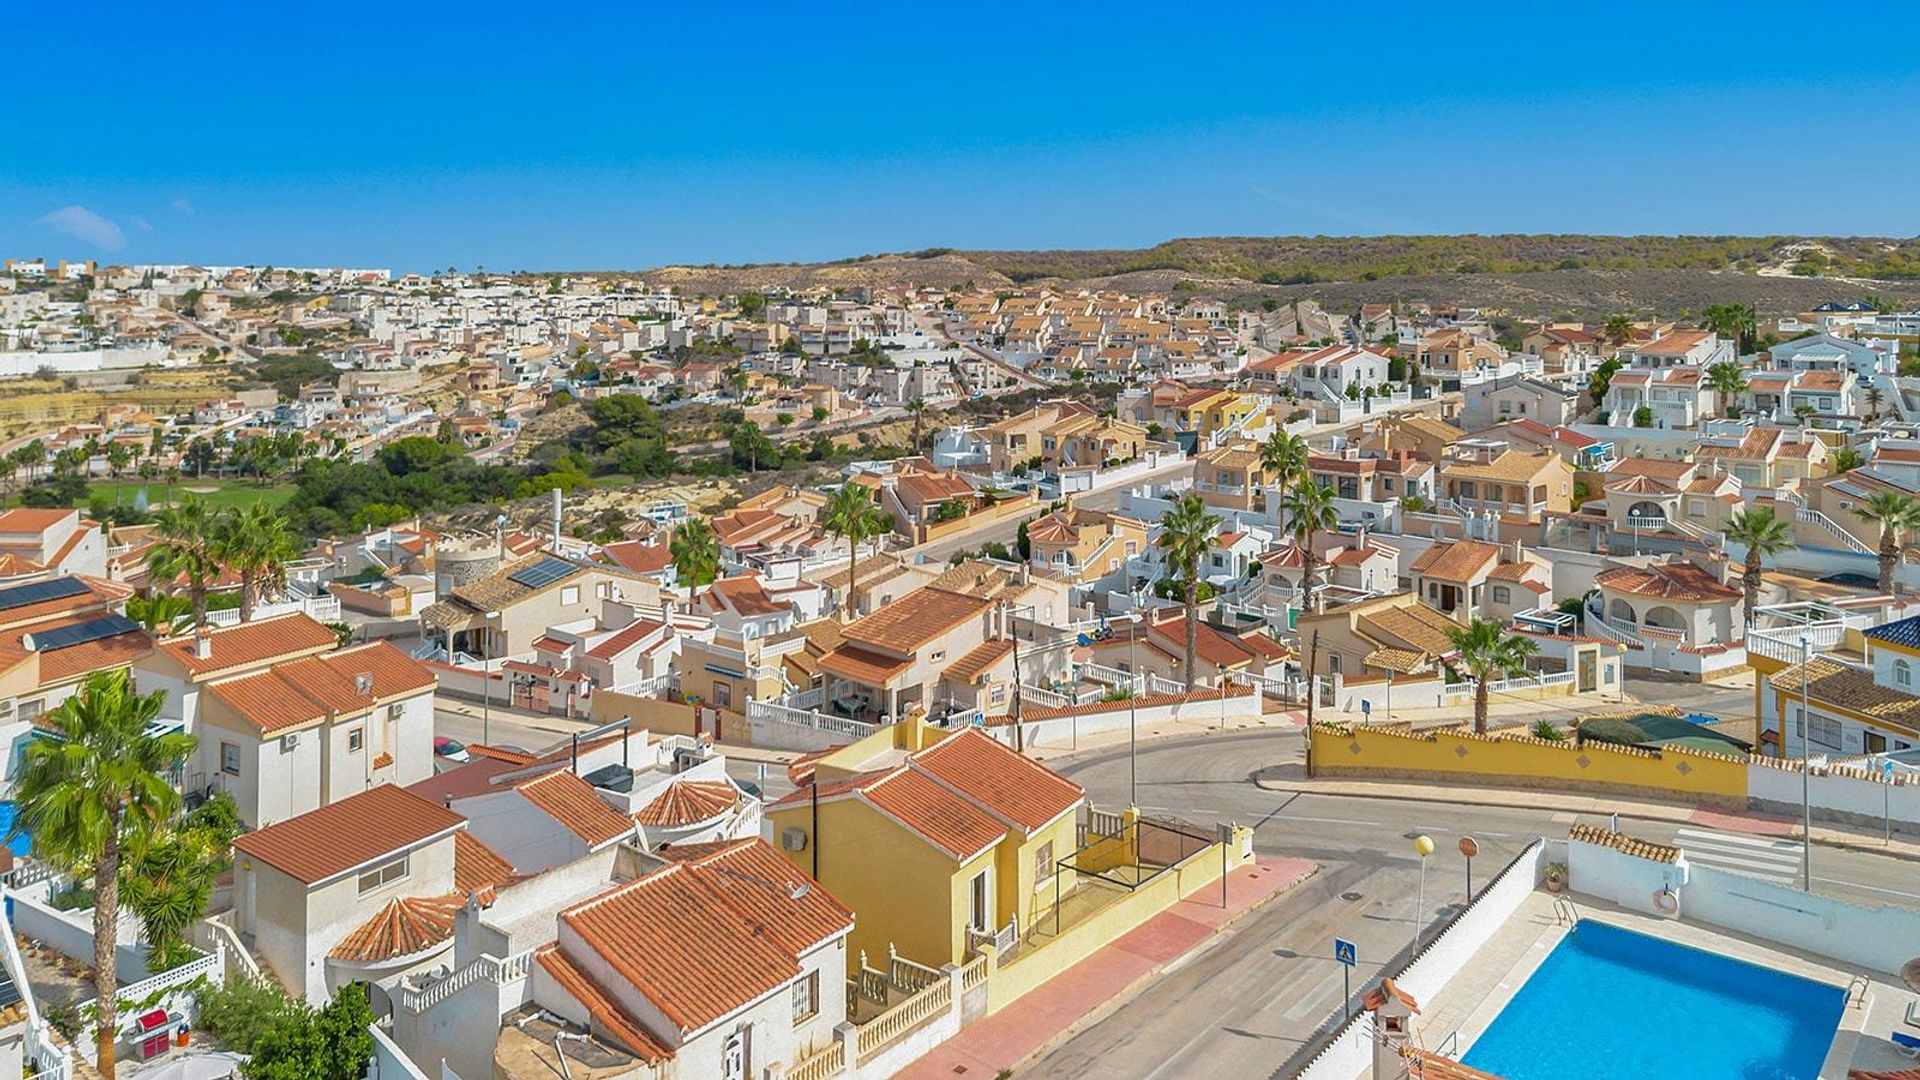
(1345, 952)
(1366, 707)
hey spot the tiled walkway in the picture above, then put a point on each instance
(1015, 1033)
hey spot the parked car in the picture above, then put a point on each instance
(451, 749)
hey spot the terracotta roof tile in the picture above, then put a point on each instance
(404, 926)
(1621, 842)
(572, 802)
(688, 802)
(624, 638)
(941, 816)
(1834, 683)
(1007, 783)
(256, 642)
(914, 620)
(977, 661)
(1667, 581)
(862, 666)
(658, 933)
(340, 836)
(1460, 560)
(477, 868)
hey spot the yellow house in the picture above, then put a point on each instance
(1207, 411)
(932, 838)
(1231, 477)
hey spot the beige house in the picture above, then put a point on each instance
(300, 734)
(1073, 542)
(504, 613)
(1231, 477)
(1505, 482)
(362, 890)
(895, 661)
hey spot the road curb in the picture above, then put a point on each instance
(1134, 989)
(1844, 843)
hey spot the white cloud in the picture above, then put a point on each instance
(183, 206)
(84, 225)
(142, 224)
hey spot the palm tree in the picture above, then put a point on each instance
(1284, 459)
(1310, 509)
(158, 612)
(695, 552)
(1891, 511)
(1846, 459)
(1186, 534)
(1762, 535)
(1486, 651)
(1619, 330)
(254, 542)
(852, 515)
(1874, 400)
(1728, 380)
(186, 545)
(918, 407)
(1736, 321)
(100, 784)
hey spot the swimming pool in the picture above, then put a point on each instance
(1611, 1004)
(21, 846)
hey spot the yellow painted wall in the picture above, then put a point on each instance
(1361, 751)
(1019, 885)
(902, 890)
(654, 714)
(910, 734)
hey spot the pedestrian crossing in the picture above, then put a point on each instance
(1770, 858)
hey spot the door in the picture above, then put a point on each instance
(1876, 743)
(980, 904)
(1585, 671)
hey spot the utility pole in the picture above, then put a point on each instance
(1806, 770)
(1013, 630)
(1313, 658)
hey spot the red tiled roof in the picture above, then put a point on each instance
(623, 639)
(950, 822)
(700, 943)
(915, 620)
(641, 558)
(477, 868)
(404, 926)
(252, 643)
(572, 802)
(340, 836)
(688, 802)
(301, 691)
(1666, 581)
(1009, 784)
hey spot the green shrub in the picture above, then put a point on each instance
(1622, 732)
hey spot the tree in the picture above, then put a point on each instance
(852, 515)
(1284, 458)
(185, 546)
(1874, 400)
(1643, 416)
(1846, 459)
(1619, 330)
(167, 880)
(918, 408)
(695, 552)
(327, 1044)
(158, 612)
(1762, 534)
(1736, 321)
(1310, 509)
(1186, 534)
(750, 446)
(1487, 651)
(1602, 378)
(1728, 380)
(1893, 512)
(253, 541)
(98, 787)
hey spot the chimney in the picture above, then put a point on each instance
(202, 644)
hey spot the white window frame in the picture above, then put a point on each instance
(230, 751)
(356, 740)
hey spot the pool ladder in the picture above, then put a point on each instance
(1564, 911)
(1859, 980)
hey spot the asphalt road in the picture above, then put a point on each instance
(1256, 997)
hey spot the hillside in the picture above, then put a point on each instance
(1527, 275)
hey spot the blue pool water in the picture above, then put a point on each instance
(19, 845)
(1610, 1004)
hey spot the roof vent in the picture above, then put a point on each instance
(363, 683)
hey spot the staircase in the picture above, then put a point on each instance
(1808, 516)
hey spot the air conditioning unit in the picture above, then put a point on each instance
(793, 839)
(289, 741)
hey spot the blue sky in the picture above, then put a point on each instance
(549, 137)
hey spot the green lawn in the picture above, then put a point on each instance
(217, 493)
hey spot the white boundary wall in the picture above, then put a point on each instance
(1350, 1055)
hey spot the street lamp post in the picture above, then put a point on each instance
(1134, 685)
(1223, 695)
(1423, 847)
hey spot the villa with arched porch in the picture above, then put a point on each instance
(1672, 604)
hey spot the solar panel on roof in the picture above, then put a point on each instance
(545, 572)
(65, 637)
(34, 592)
